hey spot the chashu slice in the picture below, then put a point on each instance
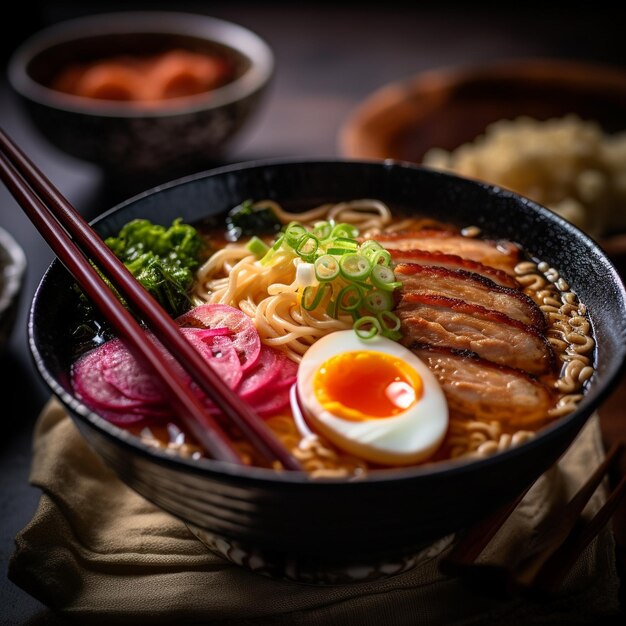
(491, 335)
(471, 288)
(453, 262)
(483, 390)
(502, 255)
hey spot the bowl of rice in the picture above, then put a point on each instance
(551, 130)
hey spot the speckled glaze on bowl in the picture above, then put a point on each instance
(182, 136)
(326, 525)
(12, 268)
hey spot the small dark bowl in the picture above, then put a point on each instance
(303, 528)
(180, 135)
(12, 268)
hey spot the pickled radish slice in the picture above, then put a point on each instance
(110, 381)
(244, 337)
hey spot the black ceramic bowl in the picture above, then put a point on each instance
(304, 528)
(180, 135)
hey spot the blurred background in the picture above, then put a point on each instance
(329, 57)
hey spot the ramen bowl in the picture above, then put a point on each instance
(321, 530)
(139, 140)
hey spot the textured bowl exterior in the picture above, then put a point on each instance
(181, 135)
(390, 514)
(132, 146)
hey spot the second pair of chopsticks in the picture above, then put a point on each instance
(74, 242)
(550, 553)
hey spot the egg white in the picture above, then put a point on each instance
(409, 437)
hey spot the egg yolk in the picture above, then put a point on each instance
(366, 384)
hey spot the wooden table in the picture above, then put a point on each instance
(613, 425)
(329, 56)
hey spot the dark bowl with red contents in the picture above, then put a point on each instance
(141, 93)
(321, 530)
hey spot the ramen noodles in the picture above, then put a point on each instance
(368, 339)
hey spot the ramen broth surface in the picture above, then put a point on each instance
(567, 332)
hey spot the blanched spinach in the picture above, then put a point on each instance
(163, 259)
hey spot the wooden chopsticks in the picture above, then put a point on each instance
(549, 554)
(74, 242)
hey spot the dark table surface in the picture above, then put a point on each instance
(329, 57)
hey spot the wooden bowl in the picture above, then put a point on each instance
(447, 107)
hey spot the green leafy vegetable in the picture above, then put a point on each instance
(162, 259)
(246, 219)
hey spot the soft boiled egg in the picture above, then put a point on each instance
(372, 398)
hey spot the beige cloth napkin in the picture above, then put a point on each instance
(98, 552)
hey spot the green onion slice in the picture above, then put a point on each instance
(380, 257)
(345, 242)
(294, 233)
(354, 266)
(312, 296)
(378, 301)
(384, 278)
(349, 298)
(326, 267)
(258, 247)
(367, 327)
(307, 247)
(390, 325)
(278, 243)
(272, 251)
(344, 230)
(331, 308)
(369, 246)
(322, 229)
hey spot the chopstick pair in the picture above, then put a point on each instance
(550, 553)
(74, 242)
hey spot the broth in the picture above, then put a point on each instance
(470, 308)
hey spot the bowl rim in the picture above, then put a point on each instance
(264, 476)
(13, 265)
(200, 26)
(353, 140)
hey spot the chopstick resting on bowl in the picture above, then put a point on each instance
(74, 242)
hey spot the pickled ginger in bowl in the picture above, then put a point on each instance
(142, 94)
(424, 358)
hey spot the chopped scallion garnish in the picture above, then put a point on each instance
(347, 277)
(258, 247)
(354, 266)
(326, 267)
(384, 278)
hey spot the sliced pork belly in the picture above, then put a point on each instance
(453, 262)
(501, 255)
(483, 390)
(471, 288)
(491, 335)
